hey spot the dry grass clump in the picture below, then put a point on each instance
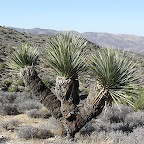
(30, 132)
(11, 124)
(38, 113)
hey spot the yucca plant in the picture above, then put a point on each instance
(115, 73)
(23, 61)
(65, 54)
(24, 56)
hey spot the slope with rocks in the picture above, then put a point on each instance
(10, 40)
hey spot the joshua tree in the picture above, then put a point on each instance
(65, 54)
(114, 72)
(23, 61)
(116, 81)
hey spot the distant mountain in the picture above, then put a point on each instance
(123, 41)
(36, 31)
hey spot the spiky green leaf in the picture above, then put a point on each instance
(24, 56)
(65, 54)
(115, 72)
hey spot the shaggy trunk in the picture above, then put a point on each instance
(40, 91)
(67, 89)
(74, 118)
(70, 116)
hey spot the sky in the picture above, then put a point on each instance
(111, 16)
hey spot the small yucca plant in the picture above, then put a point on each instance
(24, 56)
(115, 73)
(65, 54)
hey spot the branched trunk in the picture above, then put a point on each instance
(77, 117)
(62, 106)
(75, 122)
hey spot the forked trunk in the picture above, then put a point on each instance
(63, 106)
(74, 118)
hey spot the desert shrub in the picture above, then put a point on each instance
(15, 103)
(115, 115)
(10, 96)
(28, 105)
(23, 96)
(3, 100)
(0, 107)
(135, 119)
(5, 125)
(5, 84)
(35, 113)
(62, 141)
(11, 124)
(29, 132)
(136, 137)
(6, 104)
(26, 101)
(125, 128)
(9, 109)
(87, 129)
(139, 103)
(13, 88)
(52, 125)
(6, 97)
(117, 136)
(43, 133)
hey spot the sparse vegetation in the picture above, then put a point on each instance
(29, 132)
(91, 121)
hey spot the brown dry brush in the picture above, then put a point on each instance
(63, 105)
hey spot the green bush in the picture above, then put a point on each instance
(139, 103)
(12, 88)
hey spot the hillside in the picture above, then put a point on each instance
(123, 41)
(23, 119)
(10, 39)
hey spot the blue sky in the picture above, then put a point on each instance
(112, 16)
